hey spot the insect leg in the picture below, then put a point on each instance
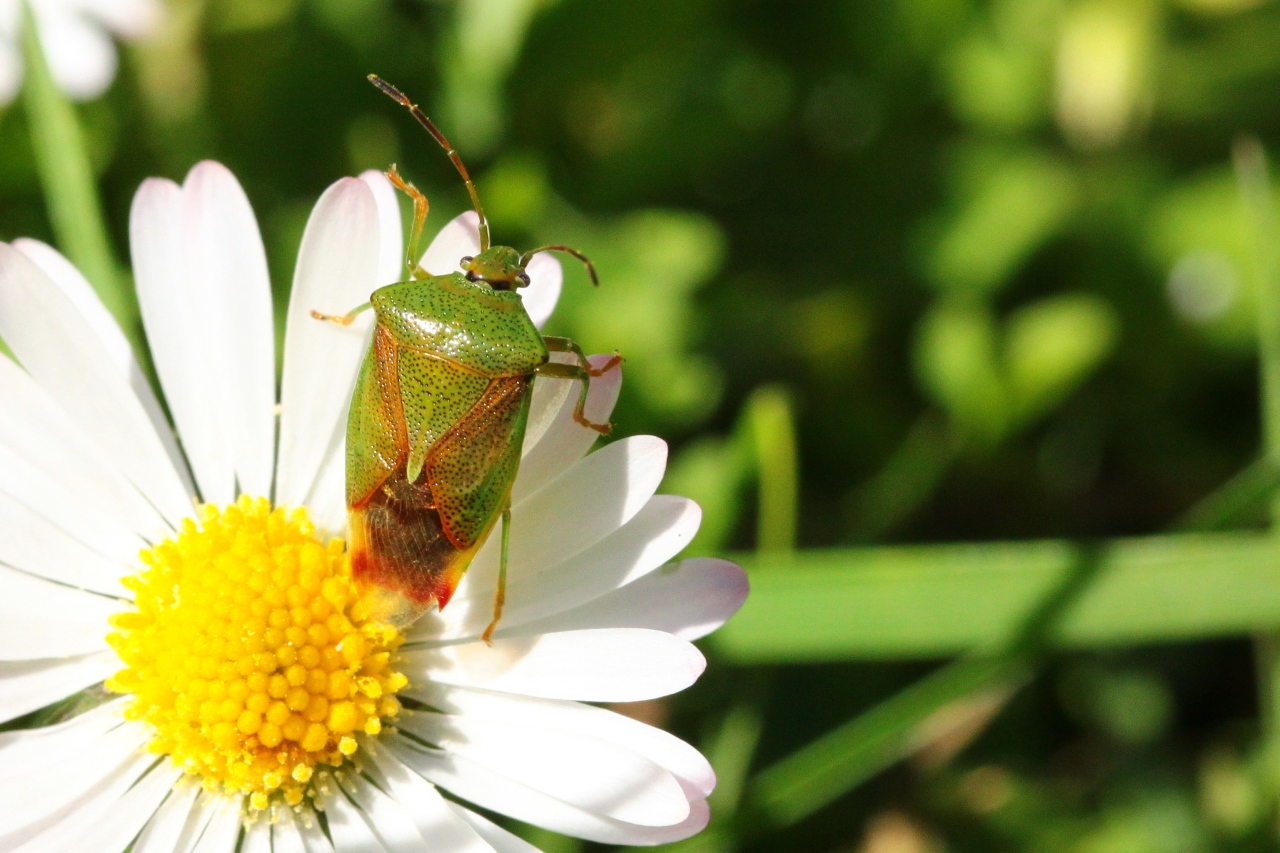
(500, 595)
(342, 319)
(575, 371)
(420, 208)
(555, 344)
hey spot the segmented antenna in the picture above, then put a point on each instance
(591, 268)
(399, 97)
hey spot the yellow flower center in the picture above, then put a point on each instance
(249, 653)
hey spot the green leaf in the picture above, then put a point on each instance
(1052, 346)
(939, 600)
(1016, 201)
(958, 362)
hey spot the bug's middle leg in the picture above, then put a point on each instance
(576, 371)
(500, 594)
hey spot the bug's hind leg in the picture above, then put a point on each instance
(577, 371)
(500, 594)
(420, 208)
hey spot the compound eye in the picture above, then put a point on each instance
(524, 277)
(466, 261)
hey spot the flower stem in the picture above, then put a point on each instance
(67, 181)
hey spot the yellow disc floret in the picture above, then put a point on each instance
(249, 653)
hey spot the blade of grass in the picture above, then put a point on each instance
(67, 181)
(825, 769)
(773, 433)
(1236, 501)
(1250, 162)
(941, 600)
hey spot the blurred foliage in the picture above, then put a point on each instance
(906, 271)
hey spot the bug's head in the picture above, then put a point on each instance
(500, 267)
(504, 269)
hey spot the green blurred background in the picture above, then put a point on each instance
(904, 271)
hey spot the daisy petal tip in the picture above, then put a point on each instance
(374, 176)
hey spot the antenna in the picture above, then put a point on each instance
(591, 268)
(399, 97)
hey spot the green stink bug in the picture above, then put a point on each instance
(438, 414)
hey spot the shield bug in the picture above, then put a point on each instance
(439, 411)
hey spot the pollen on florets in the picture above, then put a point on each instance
(249, 654)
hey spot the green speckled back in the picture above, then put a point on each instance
(465, 322)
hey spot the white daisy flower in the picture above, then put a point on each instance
(247, 696)
(76, 37)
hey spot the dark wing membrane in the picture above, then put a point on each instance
(398, 545)
(470, 470)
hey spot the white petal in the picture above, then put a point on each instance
(197, 820)
(666, 750)
(429, 811)
(82, 58)
(33, 545)
(61, 352)
(39, 619)
(232, 297)
(257, 838)
(10, 71)
(206, 305)
(36, 429)
(337, 269)
(690, 599)
(128, 18)
(491, 790)
(77, 288)
(28, 685)
(299, 834)
(588, 501)
(543, 292)
(544, 410)
(109, 824)
(594, 774)
(62, 505)
(390, 231)
(458, 239)
(163, 831)
(224, 827)
(623, 665)
(348, 829)
(48, 793)
(285, 837)
(388, 819)
(495, 836)
(577, 509)
(653, 536)
(328, 501)
(563, 441)
(163, 264)
(22, 749)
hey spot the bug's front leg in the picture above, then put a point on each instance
(500, 594)
(555, 344)
(577, 371)
(420, 208)
(342, 319)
